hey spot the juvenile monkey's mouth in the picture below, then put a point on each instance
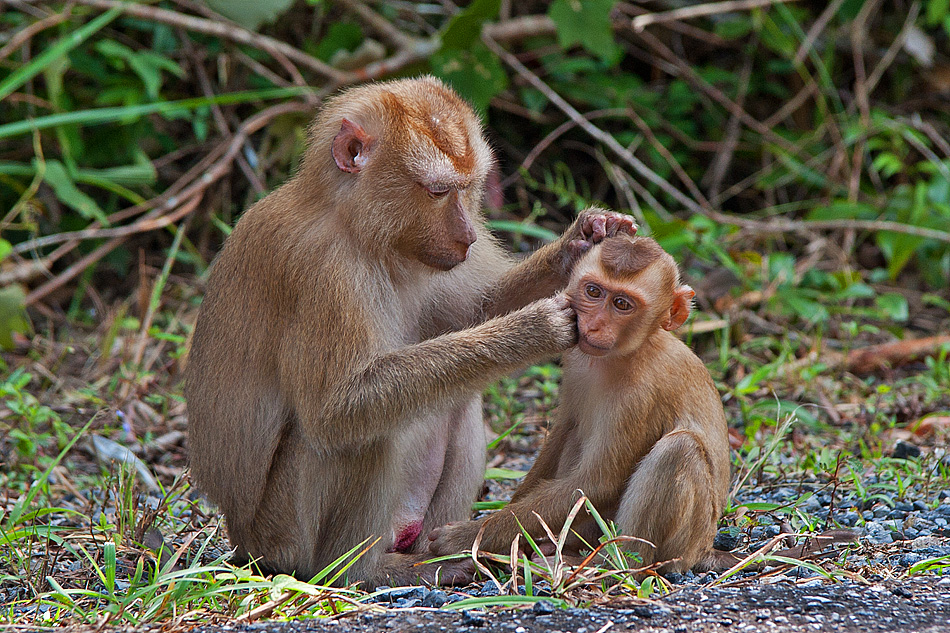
(590, 348)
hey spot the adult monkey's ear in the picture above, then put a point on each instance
(351, 147)
(679, 311)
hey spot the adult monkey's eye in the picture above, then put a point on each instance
(593, 291)
(622, 304)
(437, 191)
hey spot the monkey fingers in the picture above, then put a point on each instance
(618, 223)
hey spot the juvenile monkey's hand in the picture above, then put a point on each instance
(590, 227)
(453, 538)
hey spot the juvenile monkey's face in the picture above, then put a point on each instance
(606, 314)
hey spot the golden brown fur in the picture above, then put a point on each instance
(334, 379)
(640, 428)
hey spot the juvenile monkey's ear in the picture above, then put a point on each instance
(679, 311)
(351, 147)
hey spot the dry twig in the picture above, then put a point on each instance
(700, 10)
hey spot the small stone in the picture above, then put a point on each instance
(727, 539)
(407, 593)
(675, 578)
(435, 599)
(488, 589)
(543, 607)
(849, 519)
(407, 603)
(878, 534)
(471, 619)
(920, 506)
(905, 450)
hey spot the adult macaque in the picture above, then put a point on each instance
(640, 429)
(334, 379)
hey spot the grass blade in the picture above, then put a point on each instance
(36, 65)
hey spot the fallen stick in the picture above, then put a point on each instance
(869, 359)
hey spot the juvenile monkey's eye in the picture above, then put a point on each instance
(622, 304)
(593, 291)
(437, 191)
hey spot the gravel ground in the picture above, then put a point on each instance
(920, 605)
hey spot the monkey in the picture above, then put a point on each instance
(640, 427)
(349, 325)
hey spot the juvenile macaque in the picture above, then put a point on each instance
(640, 429)
(349, 326)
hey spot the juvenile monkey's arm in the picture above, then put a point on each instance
(546, 465)
(548, 269)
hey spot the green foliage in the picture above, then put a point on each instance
(467, 64)
(586, 23)
(13, 316)
(250, 13)
(476, 73)
(31, 424)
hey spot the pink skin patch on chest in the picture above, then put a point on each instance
(406, 537)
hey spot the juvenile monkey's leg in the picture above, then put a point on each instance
(463, 472)
(670, 501)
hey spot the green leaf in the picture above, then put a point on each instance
(898, 248)
(893, 305)
(12, 314)
(586, 23)
(146, 64)
(476, 74)
(800, 304)
(5, 249)
(127, 114)
(522, 228)
(465, 29)
(57, 177)
(250, 13)
(504, 473)
(733, 29)
(937, 10)
(843, 210)
(340, 36)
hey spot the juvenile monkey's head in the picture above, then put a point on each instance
(407, 162)
(625, 289)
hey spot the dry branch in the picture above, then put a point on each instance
(876, 357)
(700, 10)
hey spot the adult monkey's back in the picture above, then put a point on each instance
(334, 379)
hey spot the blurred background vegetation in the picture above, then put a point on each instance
(793, 156)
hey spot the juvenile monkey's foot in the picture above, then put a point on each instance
(453, 572)
(453, 538)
